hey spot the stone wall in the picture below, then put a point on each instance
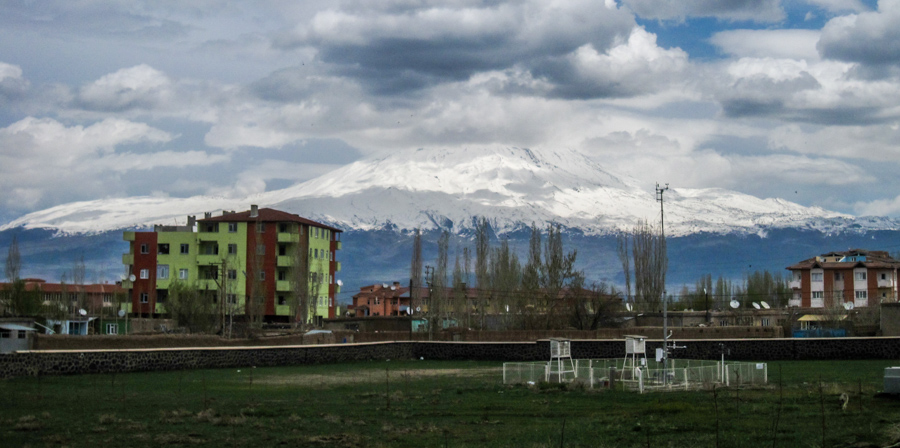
(109, 361)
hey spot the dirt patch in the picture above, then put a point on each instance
(375, 376)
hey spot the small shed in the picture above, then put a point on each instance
(15, 336)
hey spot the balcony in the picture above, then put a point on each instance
(337, 266)
(337, 245)
(128, 236)
(288, 237)
(127, 284)
(283, 285)
(886, 283)
(794, 284)
(817, 303)
(284, 261)
(208, 259)
(127, 259)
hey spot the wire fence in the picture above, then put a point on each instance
(680, 374)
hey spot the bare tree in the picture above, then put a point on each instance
(300, 309)
(622, 252)
(650, 264)
(558, 272)
(506, 276)
(438, 304)
(482, 275)
(13, 261)
(78, 280)
(531, 281)
(191, 307)
(595, 307)
(415, 272)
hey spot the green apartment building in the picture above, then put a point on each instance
(262, 263)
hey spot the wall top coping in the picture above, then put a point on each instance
(359, 344)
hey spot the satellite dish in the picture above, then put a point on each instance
(121, 313)
(764, 304)
(340, 283)
(384, 285)
(132, 278)
(418, 308)
(756, 305)
(409, 311)
(848, 306)
(628, 306)
(393, 288)
(82, 311)
(735, 304)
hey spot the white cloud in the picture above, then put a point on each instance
(778, 44)
(836, 6)
(878, 207)
(42, 159)
(756, 10)
(141, 86)
(869, 38)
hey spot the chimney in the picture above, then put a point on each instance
(192, 219)
(254, 211)
(207, 215)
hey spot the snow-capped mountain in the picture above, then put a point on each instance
(512, 187)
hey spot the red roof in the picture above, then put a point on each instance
(267, 215)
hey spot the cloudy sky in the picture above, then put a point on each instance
(798, 99)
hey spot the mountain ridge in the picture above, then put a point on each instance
(433, 188)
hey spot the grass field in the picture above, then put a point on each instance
(440, 404)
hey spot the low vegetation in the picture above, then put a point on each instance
(442, 404)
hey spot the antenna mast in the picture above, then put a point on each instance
(662, 232)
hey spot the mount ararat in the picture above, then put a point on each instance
(380, 201)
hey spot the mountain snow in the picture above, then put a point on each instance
(512, 187)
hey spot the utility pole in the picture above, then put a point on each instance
(662, 233)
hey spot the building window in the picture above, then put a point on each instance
(862, 295)
(162, 249)
(185, 249)
(5, 334)
(22, 334)
(212, 227)
(723, 323)
(183, 274)
(232, 227)
(162, 272)
(317, 232)
(839, 295)
(883, 276)
(232, 274)
(816, 276)
(818, 294)
(859, 275)
(232, 249)
(145, 298)
(262, 275)
(261, 227)
(764, 322)
(145, 248)
(145, 274)
(231, 298)
(282, 275)
(284, 227)
(282, 300)
(838, 277)
(107, 298)
(260, 249)
(112, 328)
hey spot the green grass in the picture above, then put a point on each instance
(439, 404)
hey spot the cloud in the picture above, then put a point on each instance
(878, 207)
(875, 142)
(868, 38)
(836, 6)
(634, 67)
(395, 48)
(753, 10)
(776, 44)
(141, 87)
(44, 161)
(822, 92)
(12, 85)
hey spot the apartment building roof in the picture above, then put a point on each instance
(266, 215)
(850, 259)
